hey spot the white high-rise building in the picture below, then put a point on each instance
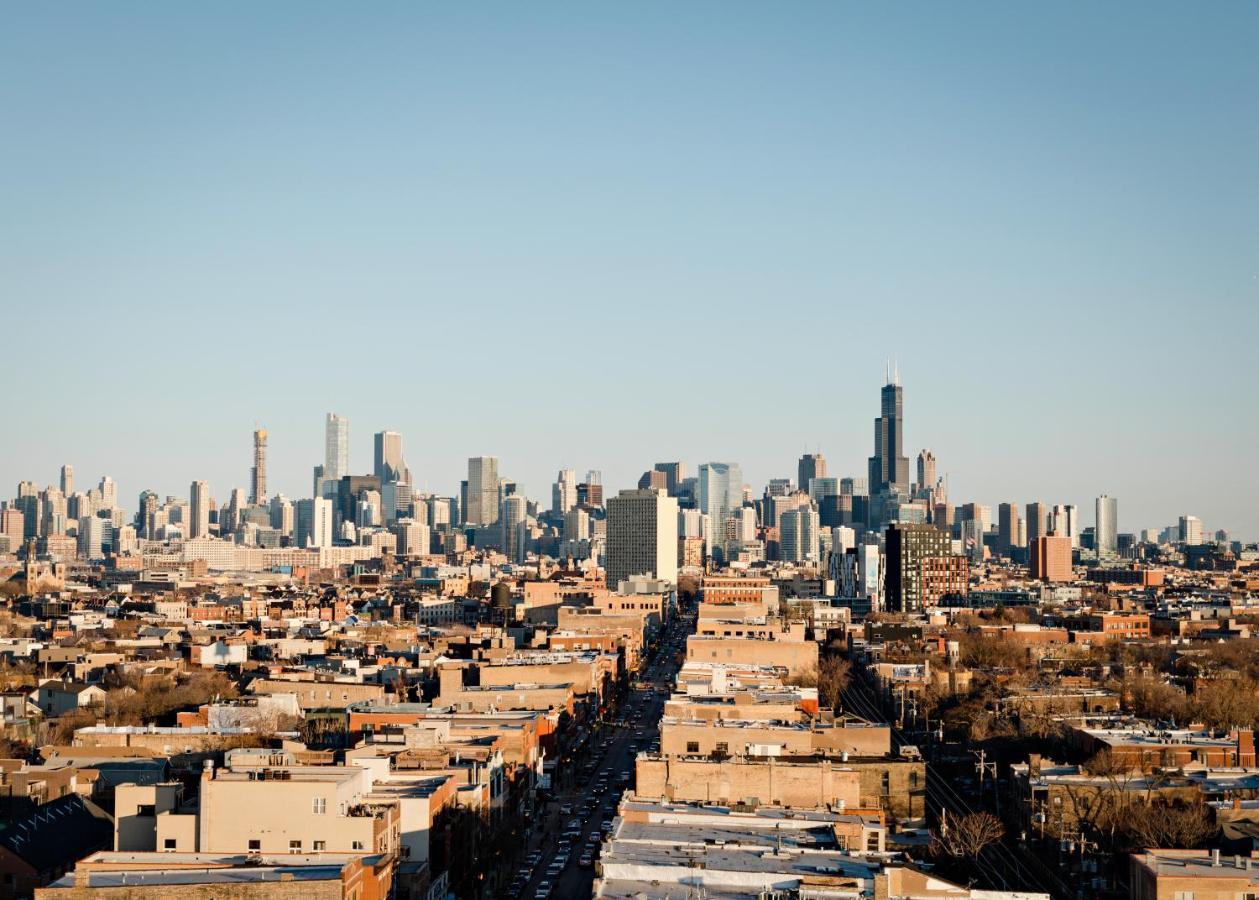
(95, 535)
(692, 523)
(482, 491)
(336, 447)
(414, 538)
(1066, 522)
(1106, 525)
(564, 492)
(870, 574)
(576, 525)
(1190, 530)
(109, 493)
(313, 523)
(799, 539)
(199, 500)
(843, 539)
(642, 536)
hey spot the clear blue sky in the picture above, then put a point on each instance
(600, 235)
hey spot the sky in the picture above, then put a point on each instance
(605, 235)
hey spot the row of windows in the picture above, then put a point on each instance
(255, 845)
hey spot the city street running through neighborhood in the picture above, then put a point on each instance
(567, 837)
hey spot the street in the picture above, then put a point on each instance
(562, 851)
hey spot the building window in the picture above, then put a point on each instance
(320, 805)
(255, 844)
(168, 844)
(692, 746)
(295, 846)
(1184, 895)
(872, 842)
(723, 747)
(321, 845)
(913, 781)
(356, 845)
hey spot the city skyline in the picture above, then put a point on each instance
(892, 389)
(856, 182)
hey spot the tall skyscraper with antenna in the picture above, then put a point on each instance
(889, 467)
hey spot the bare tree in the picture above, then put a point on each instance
(833, 676)
(1173, 825)
(967, 836)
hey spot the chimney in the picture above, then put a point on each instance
(1215, 857)
(1033, 765)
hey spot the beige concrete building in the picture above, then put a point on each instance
(295, 809)
(1191, 875)
(796, 656)
(313, 694)
(746, 737)
(806, 784)
(205, 876)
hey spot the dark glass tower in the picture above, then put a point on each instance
(889, 469)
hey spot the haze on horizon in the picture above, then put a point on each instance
(605, 237)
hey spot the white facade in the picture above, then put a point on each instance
(313, 527)
(1066, 522)
(336, 447)
(564, 492)
(798, 539)
(1106, 525)
(1190, 530)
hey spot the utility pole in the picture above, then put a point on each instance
(984, 767)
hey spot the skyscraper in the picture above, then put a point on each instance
(799, 539)
(674, 473)
(389, 464)
(1190, 530)
(926, 470)
(921, 567)
(1106, 525)
(642, 536)
(312, 523)
(199, 500)
(889, 470)
(1037, 522)
(1066, 522)
(482, 506)
(1008, 532)
(513, 514)
(564, 492)
(258, 475)
(67, 480)
(811, 465)
(336, 447)
(720, 494)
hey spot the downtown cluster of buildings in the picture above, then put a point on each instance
(376, 691)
